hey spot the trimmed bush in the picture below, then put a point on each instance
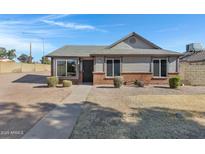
(67, 83)
(118, 81)
(139, 83)
(174, 82)
(136, 82)
(52, 81)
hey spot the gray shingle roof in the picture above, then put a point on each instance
(75, 51)
(136, 52)
(86, 51)
(193, 56)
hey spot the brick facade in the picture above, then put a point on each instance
(129, 78)
(99, 78)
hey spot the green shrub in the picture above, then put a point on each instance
(118, 81)
(52, 81)
(174, 82)
(139, 83)
(67, 83)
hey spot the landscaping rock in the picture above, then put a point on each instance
(179, 115)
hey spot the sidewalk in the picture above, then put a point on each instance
(59, 123)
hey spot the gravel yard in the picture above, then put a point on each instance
(150, 112)
(25, 99)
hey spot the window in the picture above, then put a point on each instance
(67, 67)
(71, 67)
(113, 67)
(61, 68)
(116, 67)
(109, 68)
(163, 68)
(156, 67)
(160, 67)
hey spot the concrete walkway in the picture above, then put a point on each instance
(59, 123)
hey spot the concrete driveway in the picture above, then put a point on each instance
(24, 100)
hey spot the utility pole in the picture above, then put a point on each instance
(43, 47)
(30, 54)
(43, 52)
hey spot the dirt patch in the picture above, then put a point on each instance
(99, 122)
(25, 99)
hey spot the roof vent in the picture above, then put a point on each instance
(132, 40)
(194, 47)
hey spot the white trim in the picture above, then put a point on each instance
(99, 61)
(177, 65)
(66, 59)
(159, 66)
(94, 63)
(112, 66)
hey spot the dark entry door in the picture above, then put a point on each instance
(87, 70)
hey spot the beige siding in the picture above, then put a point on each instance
(99, 62)
(172, 65)
(122, 45)
(136, 64)
(138, 44)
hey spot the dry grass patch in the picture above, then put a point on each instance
(127, 113)
(179, 102)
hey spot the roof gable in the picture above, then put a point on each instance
(124, 46)
(133, 40)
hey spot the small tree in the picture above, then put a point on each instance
(24, 58)
(2, 52)
(45, 60)
(11, 54)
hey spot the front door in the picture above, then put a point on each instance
(87, 70)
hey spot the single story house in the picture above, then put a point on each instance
(133, 57)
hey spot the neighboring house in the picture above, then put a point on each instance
(3, 57)
(132, 57)
(2, 48)
(5, 60)
(192, 67)
(193, 57)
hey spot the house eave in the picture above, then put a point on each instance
(177, 55)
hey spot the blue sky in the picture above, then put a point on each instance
(171, 32)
